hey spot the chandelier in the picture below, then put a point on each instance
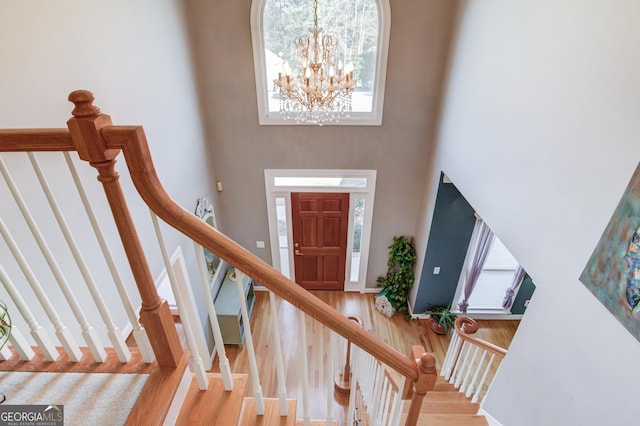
(321, 90)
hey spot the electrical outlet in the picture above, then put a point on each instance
(436, 270)
(260, 244)
(526, 303)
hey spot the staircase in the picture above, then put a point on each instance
(173, 394)
(444, 406)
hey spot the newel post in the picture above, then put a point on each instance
(85, 127)
(427, 375)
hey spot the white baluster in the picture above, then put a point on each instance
(356, 371)
(377, 390)
(282, 379)
(88, 332)
(64, 334)
(139, 333)
(113, 332)
(477, 373)
(386, 400)
(223, 361)
(450, 358)
(304, 367)
(396, 408)
(47, 348)
(20, 344)
(196, 360)
(467, 376)
(461, 364)
(484, 378)
(253, 365)
(331, 368)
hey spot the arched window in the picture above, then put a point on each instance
(362, 28)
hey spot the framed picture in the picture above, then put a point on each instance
(612, 273)
(204, 210)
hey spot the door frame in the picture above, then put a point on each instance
(365, 189)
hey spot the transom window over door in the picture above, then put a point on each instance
(362, 28)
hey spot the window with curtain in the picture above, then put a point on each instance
(362, 28)
(497, 275)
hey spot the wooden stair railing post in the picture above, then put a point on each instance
(342, 380)
(427, 375)
(85, 130)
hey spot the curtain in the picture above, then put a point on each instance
(483, 246)
(517, 280)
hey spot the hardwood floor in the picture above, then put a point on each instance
(396, 332)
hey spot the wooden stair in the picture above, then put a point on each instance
(446, 406)
(271, 415)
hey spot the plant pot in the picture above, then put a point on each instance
(383, 304)
(437, 328)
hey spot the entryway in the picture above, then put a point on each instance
(357, 189)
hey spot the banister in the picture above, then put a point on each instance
(466, 326)
(18, 140)
(132, 141)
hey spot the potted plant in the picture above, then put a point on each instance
(399, 278)
(442, 320)
(5, 332)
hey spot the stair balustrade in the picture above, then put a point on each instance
(471, 363)
(92, 135)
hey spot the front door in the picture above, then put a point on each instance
(319, 227)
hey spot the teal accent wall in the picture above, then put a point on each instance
(524, 293)
(449, 237)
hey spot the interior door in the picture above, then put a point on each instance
(319, 227)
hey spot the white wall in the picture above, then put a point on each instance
(540, 133)
(134, 57)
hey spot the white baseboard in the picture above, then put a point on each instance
(490, 420)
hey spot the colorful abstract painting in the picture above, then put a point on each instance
(613, 271)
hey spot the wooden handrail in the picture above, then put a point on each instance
(106, 142)
(131, 140)
(466, 326)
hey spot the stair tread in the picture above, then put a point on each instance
(434, 396)
(213, 406)
(271, 416)
(452, 420)
(316, 423)
(446, 407)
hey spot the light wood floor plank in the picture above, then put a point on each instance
(396, 331)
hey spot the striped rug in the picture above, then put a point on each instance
(88, 399)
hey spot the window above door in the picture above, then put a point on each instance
(362, 27)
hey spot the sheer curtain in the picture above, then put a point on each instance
(483, 246)
(517, 280)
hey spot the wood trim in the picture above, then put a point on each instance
(132, 141)
(158, 393)
(18, 140)
(467, 326)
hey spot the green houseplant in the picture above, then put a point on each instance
(5, 324)
(442, 319)
(399, 278)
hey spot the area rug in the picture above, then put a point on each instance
(96, 399)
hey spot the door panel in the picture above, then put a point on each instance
(319, 226)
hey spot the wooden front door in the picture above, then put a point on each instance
(319, 226)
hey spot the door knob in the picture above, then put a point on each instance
(297, 252)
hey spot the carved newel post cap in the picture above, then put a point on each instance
(83, 101)
(427, 362)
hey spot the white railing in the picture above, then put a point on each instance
(471, 363)
(33, 301)
(39, 306)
